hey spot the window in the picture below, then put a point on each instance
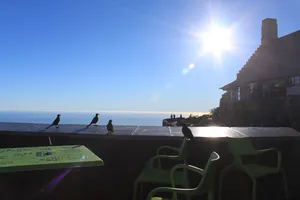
(266, 90)
(295, 80)
(238, 93)
(251, 87)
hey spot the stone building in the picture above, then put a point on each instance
(266, 90)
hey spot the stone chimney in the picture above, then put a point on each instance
(269, 30)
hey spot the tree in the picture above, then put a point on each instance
(215, 112)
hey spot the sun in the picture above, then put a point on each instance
(216, 40)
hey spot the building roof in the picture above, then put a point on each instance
(229, 85)
(280, 58)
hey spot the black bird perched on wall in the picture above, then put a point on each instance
(55, 122)
(94, 120)
(187, 133)
(110, 127)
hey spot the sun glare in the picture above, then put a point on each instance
(216, 40)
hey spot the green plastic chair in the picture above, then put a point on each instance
(205, 186)
(153, 172)
(239, 147)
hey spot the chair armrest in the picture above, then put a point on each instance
(169, 189)
(189, 167)
(279, 157)
(158, 157)
(184, 166)
(177, 150)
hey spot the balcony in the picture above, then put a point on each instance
(293, 91)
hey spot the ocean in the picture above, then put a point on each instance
(83, 118)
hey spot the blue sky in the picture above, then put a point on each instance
(111, 55)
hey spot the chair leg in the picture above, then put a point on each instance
(186, 179)
(220, 185)
(141, 190)
(253, 189)
(285, 184)
(188, 197)
(159, 163)
(211, 195)
(186, 185)
(174, 196)
(222, 174)
(135, 188)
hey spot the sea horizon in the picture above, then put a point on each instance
(119, 118)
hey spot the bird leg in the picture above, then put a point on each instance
(109, 132)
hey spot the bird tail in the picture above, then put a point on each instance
(49, 126)
(89, 125)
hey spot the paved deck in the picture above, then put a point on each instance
(234, 132)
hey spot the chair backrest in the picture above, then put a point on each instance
(209, 176)
(241, 146)
(183, 150)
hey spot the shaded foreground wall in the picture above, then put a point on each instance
(124, 157)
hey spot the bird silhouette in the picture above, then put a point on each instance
(187, 133)
(55, 122)
(110, 127)
(94, 120)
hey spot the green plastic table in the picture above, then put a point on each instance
(47, 157)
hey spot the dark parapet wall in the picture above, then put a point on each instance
(125, 156)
